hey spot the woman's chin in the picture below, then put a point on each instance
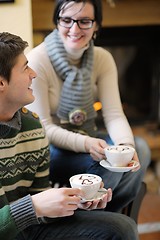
(75, 45)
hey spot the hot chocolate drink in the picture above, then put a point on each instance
(119, 156)
(85, 179)
(89, 183)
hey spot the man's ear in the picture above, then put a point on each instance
(2, 83)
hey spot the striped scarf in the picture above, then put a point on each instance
(76, 99)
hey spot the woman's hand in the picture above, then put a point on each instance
(95, 147)
(98, 203)
(135, 159)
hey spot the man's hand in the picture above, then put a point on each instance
(57, 202)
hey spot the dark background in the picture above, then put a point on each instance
(140, 83)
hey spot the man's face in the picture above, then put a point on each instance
(18, 90)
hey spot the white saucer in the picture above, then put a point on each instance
(107, 165)
(98, 196)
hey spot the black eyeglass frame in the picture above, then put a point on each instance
(76, 21)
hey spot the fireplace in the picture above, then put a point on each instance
(136, 51)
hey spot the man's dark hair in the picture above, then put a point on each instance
(11, 46)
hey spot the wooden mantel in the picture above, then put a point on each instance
(125, 13)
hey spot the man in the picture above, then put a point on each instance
(29, 208)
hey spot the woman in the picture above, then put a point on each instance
(72, 73)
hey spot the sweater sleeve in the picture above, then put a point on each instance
(48, 85)
(23, 213)
(16, 217)
(115, 120)
(8, 228)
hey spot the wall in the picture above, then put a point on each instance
(17, 19)
(125, 13)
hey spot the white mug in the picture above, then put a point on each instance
(89, 183)
(119, 156)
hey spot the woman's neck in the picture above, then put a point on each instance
(75, 55)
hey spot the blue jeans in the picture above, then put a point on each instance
(84, 225)
(125, 186)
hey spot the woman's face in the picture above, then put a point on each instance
(74, 37)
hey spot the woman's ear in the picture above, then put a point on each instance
(96, 27)
(95, 32)
(94, 35)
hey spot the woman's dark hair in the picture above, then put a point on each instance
(61, 4)
(11, 46)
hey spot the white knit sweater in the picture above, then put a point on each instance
(47, 89)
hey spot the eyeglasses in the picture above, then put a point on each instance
(82, 23)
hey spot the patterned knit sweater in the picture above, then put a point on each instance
(24, 170)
